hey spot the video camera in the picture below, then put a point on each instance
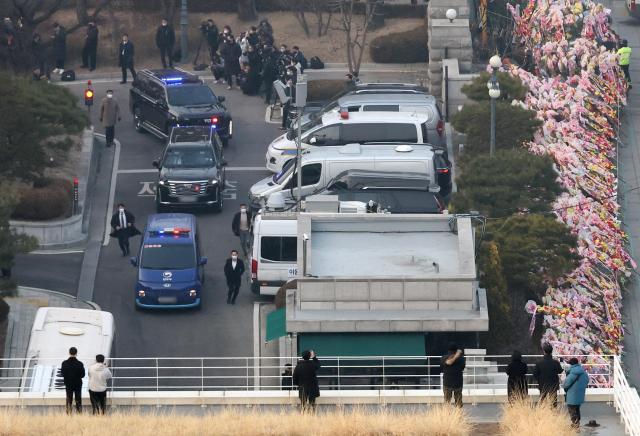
(204, 28)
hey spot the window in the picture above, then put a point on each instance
(155, 91)
(329, 135)
(425, 132)
(311, 174)
(353, 109)
(379, 132)
(279, 248)
(175, 256)
(189, 157)
(191, 95)
(381, 108)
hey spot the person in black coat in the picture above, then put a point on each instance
(269, 71)
(59, 47)
(547, 372)
(72, 371)
(40, 58)
(287, 381)
(453, 365)
(233, 270)
(517, 382)
(125, 58)
(230, 53)
(165, 39)
(123, 225)
(251, 84)
(306, 378)
(213, 38)
(90, 49)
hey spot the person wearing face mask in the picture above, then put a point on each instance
(233, 270)
(123, 225)
(230, 53)
(109, 114)
(241, 226)
(125, 58)
(165, 39)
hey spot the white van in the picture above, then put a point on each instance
(340, 128)
(320, 165)
(273, 256)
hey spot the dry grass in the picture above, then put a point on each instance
(437, 421)
(525, 418)
(141, 28)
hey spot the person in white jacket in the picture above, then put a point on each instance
(99, 374)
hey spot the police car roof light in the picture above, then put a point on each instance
(172, 79)
(172, 230)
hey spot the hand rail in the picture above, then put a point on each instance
(626, 400)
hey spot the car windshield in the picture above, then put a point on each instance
(168, 256)
(191, 95)
(189, 157)
(326, 108)
(286, 170)
(309, 125)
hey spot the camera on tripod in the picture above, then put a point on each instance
(204, 28)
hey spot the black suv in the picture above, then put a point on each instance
(162, 99)
(191, 169)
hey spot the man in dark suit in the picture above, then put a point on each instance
(306, 378)
(233, 270)
(547, 372)
(90, 49)
(123, 224)
(73, 372)
(165, 39)
(125, 58)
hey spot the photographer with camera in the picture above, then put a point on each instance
(306, 378)
(210, 32)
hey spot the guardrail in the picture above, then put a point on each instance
(625, 400)
(253, 374)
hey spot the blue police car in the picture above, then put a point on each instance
(170, 267)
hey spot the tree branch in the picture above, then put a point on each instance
(46, 15)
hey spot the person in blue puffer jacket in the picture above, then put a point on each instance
(575, 386)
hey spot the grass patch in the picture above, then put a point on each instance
(524, 418)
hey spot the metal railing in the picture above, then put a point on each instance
(625, 400)
(266, 373)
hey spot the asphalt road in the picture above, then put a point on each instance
(217, 329)
(35, 270)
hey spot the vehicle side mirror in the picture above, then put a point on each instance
(155, 164)
(203, 260)
(224, 163)
(313, 140)
(290, 135)
(134, 261)
(221, 98)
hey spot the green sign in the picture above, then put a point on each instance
(276, 324)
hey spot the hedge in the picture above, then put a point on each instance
(400, 48)
(46, 199)
(325, 89)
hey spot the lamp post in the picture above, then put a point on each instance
(184, 22)
(451, 15)
(494, 92)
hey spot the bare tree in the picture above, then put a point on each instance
(321, 9)
(168, 9)
(247, 10)
(355, 30)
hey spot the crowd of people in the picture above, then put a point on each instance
(248, 60)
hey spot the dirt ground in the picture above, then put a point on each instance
(141, 29)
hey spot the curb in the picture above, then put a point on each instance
(54, 293)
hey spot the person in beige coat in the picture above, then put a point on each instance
(109, 115)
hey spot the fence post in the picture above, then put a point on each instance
(157, 376)
(383, 373)
(338, 373)
(202, 374)
(446, 93)
(247, 368)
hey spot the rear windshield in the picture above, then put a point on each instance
(379, 132)
(191, 95)
(163, 256)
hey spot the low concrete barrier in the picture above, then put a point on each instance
(230, 398)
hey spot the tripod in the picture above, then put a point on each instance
(202, 40)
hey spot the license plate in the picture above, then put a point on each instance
(167, 300)
(188, 199)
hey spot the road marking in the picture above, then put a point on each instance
(46, 252)
(112, 193)
(153, 170)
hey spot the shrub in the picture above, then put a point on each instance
(47, 199)
(523, 418)
(402, 47)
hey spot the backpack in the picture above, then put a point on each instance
(315, 63)
(68, 76)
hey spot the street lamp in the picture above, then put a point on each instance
(494, 92)
(184, 23)
(451, 15)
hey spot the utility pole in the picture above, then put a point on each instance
(184, 23)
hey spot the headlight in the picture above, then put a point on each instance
(213, 181)
(161, 182)
(141, 293)
(192, 293)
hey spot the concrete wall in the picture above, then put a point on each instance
(447, 39)
(455, 81)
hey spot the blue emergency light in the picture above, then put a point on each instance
(171, 231)
(172, 80)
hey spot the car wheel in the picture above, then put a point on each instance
(137, 120)
(220, 196)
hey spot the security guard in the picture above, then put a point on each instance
(624, 57)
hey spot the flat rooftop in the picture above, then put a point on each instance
(388, 246)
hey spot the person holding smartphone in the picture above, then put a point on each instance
(453, 365)
(306, 378)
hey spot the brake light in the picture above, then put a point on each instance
(214, 120)
(442, 170)
(440, 128)
(254, 269)
(344, 113)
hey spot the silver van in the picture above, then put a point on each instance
(321, 164)
(400, 102)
